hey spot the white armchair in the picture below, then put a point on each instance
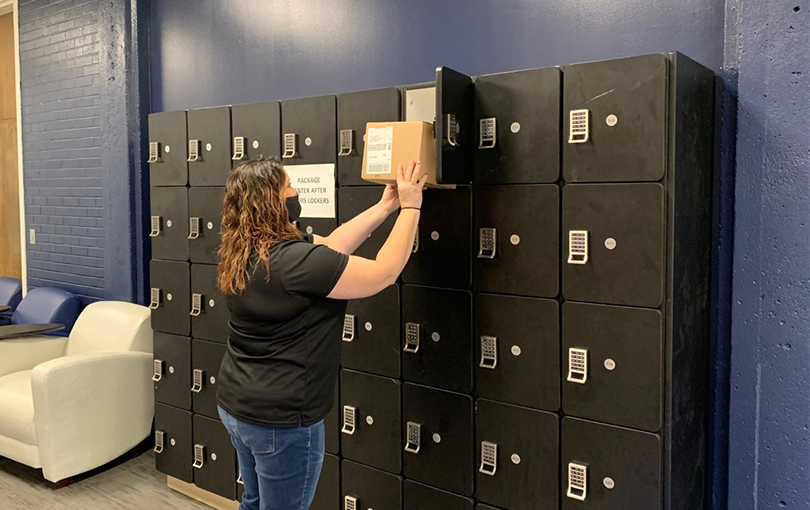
(69, 405)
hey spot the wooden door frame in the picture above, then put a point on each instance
(10, 6)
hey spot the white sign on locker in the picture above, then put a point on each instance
(316, 189)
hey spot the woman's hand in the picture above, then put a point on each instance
(410, 183)
(390, 199)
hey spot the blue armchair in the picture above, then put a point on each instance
(48, 305)
(10, 295)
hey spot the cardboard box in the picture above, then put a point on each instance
(387, 144)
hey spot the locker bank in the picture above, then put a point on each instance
(593, 298)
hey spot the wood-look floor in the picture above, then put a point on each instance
(133, 485)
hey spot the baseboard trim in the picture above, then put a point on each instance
(203, 496)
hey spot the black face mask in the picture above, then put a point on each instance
(293, 208)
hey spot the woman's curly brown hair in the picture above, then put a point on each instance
(254, 216)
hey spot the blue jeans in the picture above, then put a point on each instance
(279, 466)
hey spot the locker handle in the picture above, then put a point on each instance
(412, 340)
(154, 152)
(577, 481)
(487, 134)
(196, 305)
(413, 437)
(351, 503)
(487, 243)
(157, 370)
(199, 380)
(193, 150)
(578, 247)
(349, 420)
(199, 456)
(159, 441)
(489, 352)
(290, 148)
(489, 458)
(579, 126)
(577, 365)
(346, 142)
(194, 228)
(154, 298)
(415, 242)
(239, 479)
(348, 328)
(238, 148)
(453, 130)
(155, 225)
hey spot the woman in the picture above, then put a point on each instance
(287, 298)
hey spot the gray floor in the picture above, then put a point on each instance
(134, 485)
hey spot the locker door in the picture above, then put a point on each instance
(354, 201)
(172, 370)
(422, 497)
(205, 219)
(517, 123)
(167, 149)
(209, 146)
(613, 244)
(170, 296)
(256, 130)
(454, 127)
(169, 223)
(612, 356)
(308, 130)
(443, 244)
(327, 494)
(215, 467)
(206, 359)
(366, 487)
(371, 334)
(518, 457)
(606, 467)
(517, 350)
(437, 429)
(437, 337)
(354, 111)
(332, 425)
(371, 412)
(619, 113)
(173, 449)
(209, 312)
(518, 239)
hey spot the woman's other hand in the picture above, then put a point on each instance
(390, 199)
(410, 183)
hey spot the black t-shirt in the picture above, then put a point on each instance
(283, 355)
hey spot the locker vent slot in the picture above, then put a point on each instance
(415, 242)
(193, 150)
(487, 238)
(196, 305)
(411, 337)
(199, 377)
(159, 438)
(289, 145)
(413, 440)
(349, 416)
(489, 458)
(578, 247)
(154, 298)
(193, 228)
(579, 129)
(453, 129)
(489, 352)
(238, 148)
(346, 138)
(199, 456)
(577, 481)
(239, 479)
(348, 328)
(154, 152)
(350, 503)
(157, 370)
(577, 365)
(155, 224)
(487, 134)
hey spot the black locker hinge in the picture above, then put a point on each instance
(413, 437)
(487, 243)
(349, 420)
(577, 365)
(412, 331)
(348, 327)
(578, 247)
(159, 441)
(238, 148)
(154, 298)
(156, 223)
(196, 305)
(199, 380)
(577, 481)
(193, 150)
(194, 228)
(290, 145)
(199, 456)
(579, 126)
(489, 352)
(346, 142)
(351, 503)
(157, 370)
(489, 458)
(154, 152)
(487, 134)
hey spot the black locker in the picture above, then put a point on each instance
(327, 494)
(206, 359)
(437, 430)
(517, 353)
(518, 239)
(454, 127)
(332, 425)
(606, 467)
(209, 146)
(215, 466)
(437, 337)
(172, 370)
(354, 111)
(308, 130)
(319, 226)
(518, 456)
(256, 130)
(174, 450)
(371, 334)
(421, 497)
(371, 412)
(366, 487)
(517, 127)
(209, 311)
(443, 246)
(167, 149)
(612, 357)
(169, 223)
(170, 296)
(205, 221)
(613, 243)
(354, 201)
(618, 110)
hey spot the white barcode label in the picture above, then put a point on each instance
(379, 145)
